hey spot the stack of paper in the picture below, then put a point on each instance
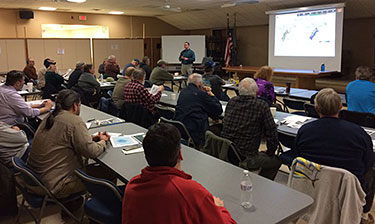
(295, 121)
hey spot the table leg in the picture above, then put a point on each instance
(305, 83)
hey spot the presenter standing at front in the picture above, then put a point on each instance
(187, 57)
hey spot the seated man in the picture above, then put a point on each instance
(214, 81)
(88, 84)
(73, 78)
(163, 193)
(246, 120)
(194, 105)
(111, 68)
(145, 65)
(30, 70)
(136, 93)
(134, 64)
(42, 72)
(118, 92)
(13, 142)
(53, 82)
(334, 142)
(68, 141)
(12, 106)
(360, 94)
(159, 75)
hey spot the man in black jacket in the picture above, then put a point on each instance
(195, 104)
(145, 65)
(73, 78)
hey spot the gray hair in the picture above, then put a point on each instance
(80, 64)
(138, 74)
(328, 102)
(248, 87)
(110, 57)
(363, 73)
(195, 79)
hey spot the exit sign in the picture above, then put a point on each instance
(82, 18)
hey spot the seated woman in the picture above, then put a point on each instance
(88, 84)
(263, 79)
(53, 82)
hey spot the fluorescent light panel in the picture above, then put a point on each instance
(116, 12)
(47, 8)
(76, 1)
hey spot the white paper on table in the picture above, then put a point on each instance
(163, 94)
(123, 141)
(88, 125)
(137, 150)
(112, 134)
(369, 132)
(154, 89)
(296, 118)
(276, 121)
(35, 102)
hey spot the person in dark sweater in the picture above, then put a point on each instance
(73, 78)
(214, 80)
(195, 104)
(53, 82)
(338, 143)
(88, 84)
(145, 65)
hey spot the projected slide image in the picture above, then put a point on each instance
(306, 34)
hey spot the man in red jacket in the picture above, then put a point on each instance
(163, 193)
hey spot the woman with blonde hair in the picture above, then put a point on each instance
(263, 79)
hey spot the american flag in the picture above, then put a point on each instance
(228, 48)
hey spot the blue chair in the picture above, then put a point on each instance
(36, 201)
(106, 202)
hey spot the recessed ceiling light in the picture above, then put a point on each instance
(116, 12)
(47, 8)
(76, 1)
(303, 8)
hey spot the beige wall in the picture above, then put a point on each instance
(119, 26)
(358, 44)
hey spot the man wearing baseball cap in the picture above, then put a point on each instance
(214, 81)
(134, 63)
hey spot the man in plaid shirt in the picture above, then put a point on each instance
(246, 120)
(135, 92)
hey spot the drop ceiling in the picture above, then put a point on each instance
(195, 14)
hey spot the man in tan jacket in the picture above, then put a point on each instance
(59, 144)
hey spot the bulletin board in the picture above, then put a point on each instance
(12, 54)
(66, 52)
(125, 50)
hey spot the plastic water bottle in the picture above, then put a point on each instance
(246, 190)
(101, 78)
(322, 67)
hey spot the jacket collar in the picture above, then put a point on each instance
(151, 172)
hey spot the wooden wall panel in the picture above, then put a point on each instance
(3, 56)
(12, 54)
(66, 52)
(124, 49)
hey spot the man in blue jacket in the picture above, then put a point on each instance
(195, 104)
(187, 57)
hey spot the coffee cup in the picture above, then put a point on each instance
(273, 111)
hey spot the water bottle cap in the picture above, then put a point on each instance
(245, 172)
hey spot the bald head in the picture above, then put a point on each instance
(248, 87)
